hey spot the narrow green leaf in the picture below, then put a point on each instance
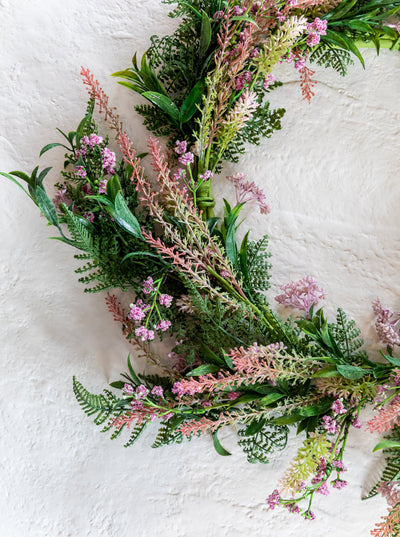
(386, 444)
(46, 206)
(124, 217)
(50, 146)
(205, 34)
(351, 372)
(218, 448)
(271, 398)
(164, 103)
(11, 178)
(392, 360)
(190, 104)
(204, 370)
(118, 384)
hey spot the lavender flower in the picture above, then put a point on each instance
(142, 392)
(109, 160)
(157, 391)
(148, 286)
(103, 186)
(186, 158)
(88, 216)
(181, 147)
(165, 300)
(80, 172)
(338, 407)
(301, 294)
(356, 423)
(330, 425)
(61, 196)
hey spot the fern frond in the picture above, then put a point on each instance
(391, 470)
(347, 336)
(167, 432)
(135, 433)
(327, 56)
(260, 445)
(101, 406)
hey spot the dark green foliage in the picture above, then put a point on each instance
(347, 336)
(135, 433)
(258, 268)
(167, 432)
(391, 471)
(328, 56)
(101, 406)
(260, 439)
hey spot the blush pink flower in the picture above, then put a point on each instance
(301, 294)
(249, 192)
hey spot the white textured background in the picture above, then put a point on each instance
(332, 177)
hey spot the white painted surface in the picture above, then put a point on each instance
(332, 177)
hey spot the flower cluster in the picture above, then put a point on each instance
(301, 294)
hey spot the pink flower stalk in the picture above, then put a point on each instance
(165, 300)
(273, 499)
(249, 192)
(301, 294)
(148, 286)
(387, 324)
(315, 30)
(80, 172)
(338, 407)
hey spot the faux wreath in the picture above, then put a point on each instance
(235, 361)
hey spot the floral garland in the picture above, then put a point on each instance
(235, 361)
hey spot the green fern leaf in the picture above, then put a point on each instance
(261, 439)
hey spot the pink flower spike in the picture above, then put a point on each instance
(330, 425)
(249, 192)
(387, 324)
(301, 294)
(356, 423)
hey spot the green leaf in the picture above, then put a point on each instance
(113, 187)
(46, 206)
(351, 372)
(204, 370)
(190, 104)
(271, 398)
(122, 214)
(164, 103)
(135, 378)
(386, 444)
(315, 410)
(244, 19)
(50, 146)
(328, 371)
(255, 427)
(288, 420)
(118, 384)
(243, 256)
(392, 360)
(205, 34)
(218, 448)
(11, 178)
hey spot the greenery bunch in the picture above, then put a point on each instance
(235, 361)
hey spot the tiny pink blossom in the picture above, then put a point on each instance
(300, 64)
(387, 324)
(339, 466)
(128, 389)
(323, 489)
(206, 175)
(356, 423)
(165, 300)
(338, 407)
(249, 192)
(218, 15)
(270, 79)
(186, 159)
(157, 391)
(103, 186)
(88, 216)
(330, 425)
(61, 196)
(136, 313)
(181, 147)
(339, 484)
(80, 171)
(142, 392)
(109, 160)
(148, 286)
(137, 404)
(237, 11)
(163, 325)
(273, 499)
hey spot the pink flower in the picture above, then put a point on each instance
(142, 392)
(136, 313)
(144, 334)
(339, 484)
(178, 389)
(300, 64)
(186, 159)
(163, 325)
(273, 499)
(181, 147)
(387, 324)
(249, 192)
(61, 196)
(128, 389)
(92, 140)
(80, 171)
(356, 423)
(323, 489)
(109, 160)
(338, 407)
(157, 391)
(340, 467)
(206, 175)
(330, 425)
(165, 300)
(268, 81)
(103, 186)
(237, 11)
(243, 79)
(148, 286)
(218, 15)
(301, 294)
(88, 216)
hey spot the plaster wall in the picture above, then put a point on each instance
(332, 178)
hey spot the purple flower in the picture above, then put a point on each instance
(292, 507)
(300, 64)
(178, 389)
(309, 515)
(148, 286)
(243, 79)
(330, 425)
(165, 300)
(273, 499)
(340, 467)
(157, 391)
(237, 11)
(92, 140)
(301, 294)
(338, 407)
(268, 81)
(218, 15)
(136, 405)
(144, 334)
(181, 147)
(61, 196)
(80, 172)
(186, 158)
(142, 392)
